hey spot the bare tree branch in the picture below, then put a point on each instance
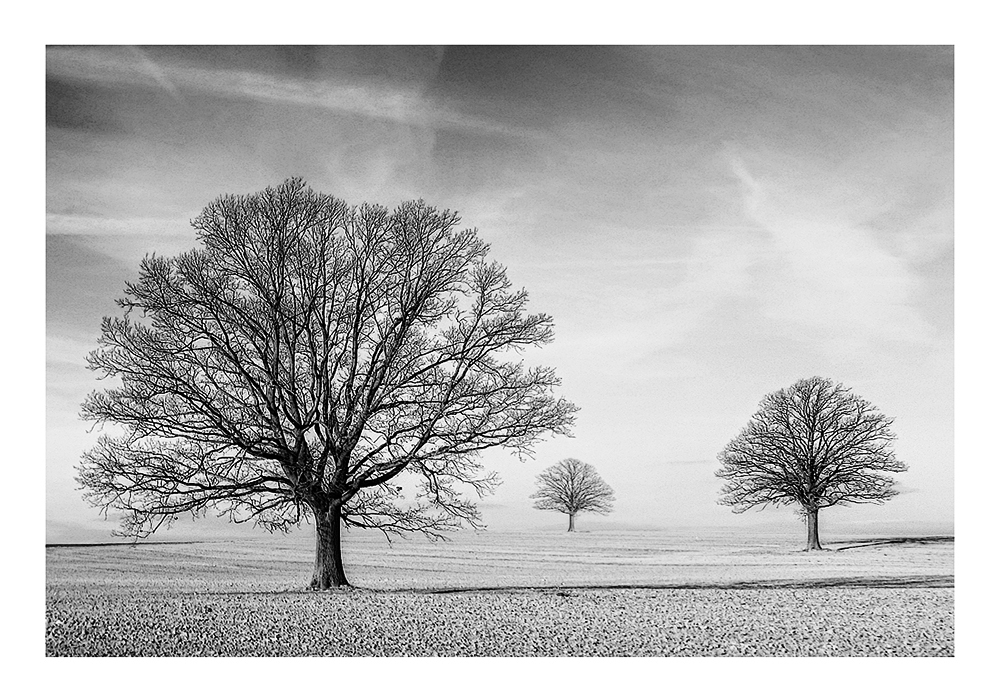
(571, 487)
(306, 354)
(814, 444)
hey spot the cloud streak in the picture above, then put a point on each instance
(68, 224)
(401, 103)
(829, 275)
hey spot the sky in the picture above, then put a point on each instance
(705, 224)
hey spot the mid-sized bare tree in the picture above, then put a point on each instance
(572, 487)
(814, 444)
(304, 359)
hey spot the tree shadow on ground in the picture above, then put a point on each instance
(572, 590)
(840, 545)
(832, 582)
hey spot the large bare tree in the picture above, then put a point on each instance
(572, 487)
(306, 358)
(814, 444)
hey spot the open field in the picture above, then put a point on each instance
(617, 593)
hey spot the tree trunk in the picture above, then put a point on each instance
(329, 569)
(812, 530)
(572, 517)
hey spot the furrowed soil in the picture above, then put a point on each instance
(604, 593)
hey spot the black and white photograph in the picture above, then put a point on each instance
(513, 350)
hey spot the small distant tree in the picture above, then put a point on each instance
(814, 444)
(572, 487)
(303, 359)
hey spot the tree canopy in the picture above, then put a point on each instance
(814, 444)
(304, 356)
(572, 487)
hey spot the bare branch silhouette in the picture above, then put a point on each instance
(572, 487)
(814, 444)
(306, 355)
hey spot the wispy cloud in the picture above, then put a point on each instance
(68, 350)
(829, 275)
(157, 74)
(406, 104)
(67, 224)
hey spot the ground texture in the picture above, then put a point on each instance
(508, 594)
